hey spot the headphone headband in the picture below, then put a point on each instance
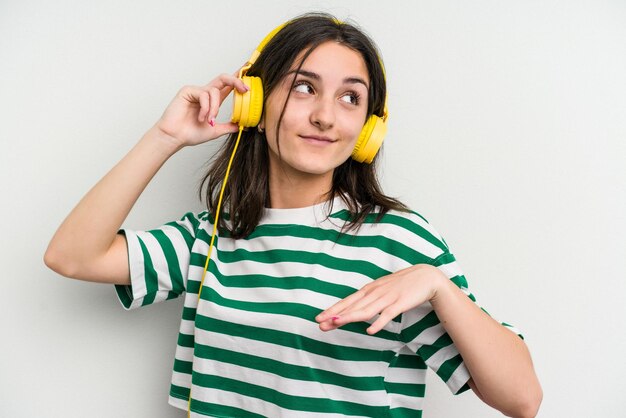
(269, 36)
(264, 42)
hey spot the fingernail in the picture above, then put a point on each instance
(212, 122)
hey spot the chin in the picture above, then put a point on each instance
(313, 168)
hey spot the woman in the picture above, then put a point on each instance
(308, 244)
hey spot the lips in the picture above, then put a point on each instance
(317, 139)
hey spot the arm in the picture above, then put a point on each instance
(497, 359)
(86, 245)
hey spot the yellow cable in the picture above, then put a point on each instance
(219, 207)
(217, 217)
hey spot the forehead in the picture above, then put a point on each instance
(333, 60)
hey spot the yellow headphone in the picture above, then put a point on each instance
(248, 108)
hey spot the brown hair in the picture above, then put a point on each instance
(247, 192)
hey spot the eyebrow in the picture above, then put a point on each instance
(315, 76)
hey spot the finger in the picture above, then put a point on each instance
(242, 85)
(363, 313)
(217, 90)
(326, 325)
(225, 128)
(215, 102)
(190, 93)
(383, 319)
(239, 85)
(225, 83)
(358, 299)
(370, 296)
(360, 315)
(205, 106)
(224, 92)
(340, 306)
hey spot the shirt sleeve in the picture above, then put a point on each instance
(449, 266)
(158, 260)
(424, 335)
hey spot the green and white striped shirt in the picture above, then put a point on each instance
(251, 346)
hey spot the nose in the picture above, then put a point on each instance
(323, 113)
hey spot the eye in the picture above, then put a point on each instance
(351, 97)
(303, 87)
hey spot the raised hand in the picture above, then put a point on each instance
(189, 119)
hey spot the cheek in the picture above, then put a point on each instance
(272, 108)
(291, 124)
(353, 129)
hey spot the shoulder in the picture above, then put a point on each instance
(191, 225)
(401, 228)
(193, 220)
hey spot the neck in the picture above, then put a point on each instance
(290, 189)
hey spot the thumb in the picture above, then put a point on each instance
(225, 128)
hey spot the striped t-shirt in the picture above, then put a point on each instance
(251, 346)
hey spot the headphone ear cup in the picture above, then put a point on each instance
(248, 107)
(370, 140)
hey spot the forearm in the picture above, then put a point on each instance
(497, 359)
(90, 229)
(501, 370)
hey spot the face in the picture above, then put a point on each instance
(324, 114)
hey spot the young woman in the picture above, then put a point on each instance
(307, 244)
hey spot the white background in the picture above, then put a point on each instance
(507, 132)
